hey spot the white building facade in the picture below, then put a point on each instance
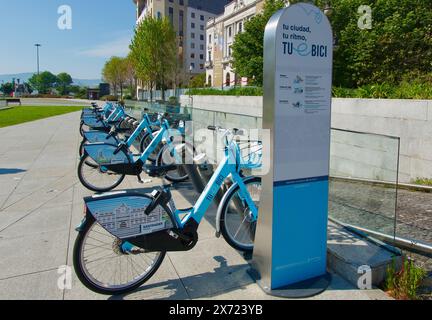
(220, 35)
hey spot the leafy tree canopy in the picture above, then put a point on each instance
(64, 80)
(154, 51)
(398, 47)
(43, 82)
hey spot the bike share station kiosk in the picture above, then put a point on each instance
(290, 253)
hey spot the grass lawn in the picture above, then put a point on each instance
(17, 115)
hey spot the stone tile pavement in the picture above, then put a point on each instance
(41, 203)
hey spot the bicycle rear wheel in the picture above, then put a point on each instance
(96, 178)
(108, 265)
(237, 224)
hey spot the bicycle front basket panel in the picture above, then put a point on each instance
(104, 154)
(99, 136)
(123, 215)
(93, 122)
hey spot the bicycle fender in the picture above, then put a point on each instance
(221, 204)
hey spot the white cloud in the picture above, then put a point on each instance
(118, 47)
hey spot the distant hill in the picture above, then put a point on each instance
(25, 76)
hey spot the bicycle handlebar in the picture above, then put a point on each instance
(234, 130)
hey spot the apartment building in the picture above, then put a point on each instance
(220, 35)
(189, 19)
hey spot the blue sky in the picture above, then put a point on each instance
(100, 29)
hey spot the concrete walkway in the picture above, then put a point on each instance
(41, 203)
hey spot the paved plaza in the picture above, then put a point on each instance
(41, 203)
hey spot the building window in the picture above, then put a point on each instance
(240, 27)
(202, 18)
(202, 56)
(181, 2)
(209, 81)
(192, 35)
(192, 45)
(193, 25)
(193, 15)
(201, 37)
(159, 15)
(192, 65)
(181, 20)
(228, 79)
(201, 47)
(230, 32)
(209, 56)
(210, 38)
(202, 27)
(192, 55)
(201, 66)
(171, 15)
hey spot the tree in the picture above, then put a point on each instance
(115, 73)
(154, 52)
(198, 81)
(64, 80)
(399, 43)
(130, 75)
(7, 88)
(43, 82)
(248, 47)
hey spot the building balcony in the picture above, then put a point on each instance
(208, 64)
(227, 59)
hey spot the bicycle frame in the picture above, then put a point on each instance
(229, 167)
(155, 142)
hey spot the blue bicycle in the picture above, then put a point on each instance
(104, 166)
(143, 131)
(124, 236)
(103, 121)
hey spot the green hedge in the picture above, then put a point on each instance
(405, 90)
(386, 91)
(237, 91)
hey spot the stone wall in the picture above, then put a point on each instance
(354, 155)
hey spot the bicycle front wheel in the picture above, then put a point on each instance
(107, 265)
(237, 223)
(96, 178)
(166, 158)
(145, 142)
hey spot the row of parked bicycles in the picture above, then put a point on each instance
(125, 235)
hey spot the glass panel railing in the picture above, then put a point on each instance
(364, 172)
(363, 184)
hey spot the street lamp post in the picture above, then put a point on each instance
(37, 45)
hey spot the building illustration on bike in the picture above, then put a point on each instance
(124, 220)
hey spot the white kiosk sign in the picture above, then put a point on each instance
(291, 237)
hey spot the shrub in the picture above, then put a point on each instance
(423, 182)
(173, 100)
(236, 91)
(404, 285)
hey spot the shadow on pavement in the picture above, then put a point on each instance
(197, 286)
(4, 171)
